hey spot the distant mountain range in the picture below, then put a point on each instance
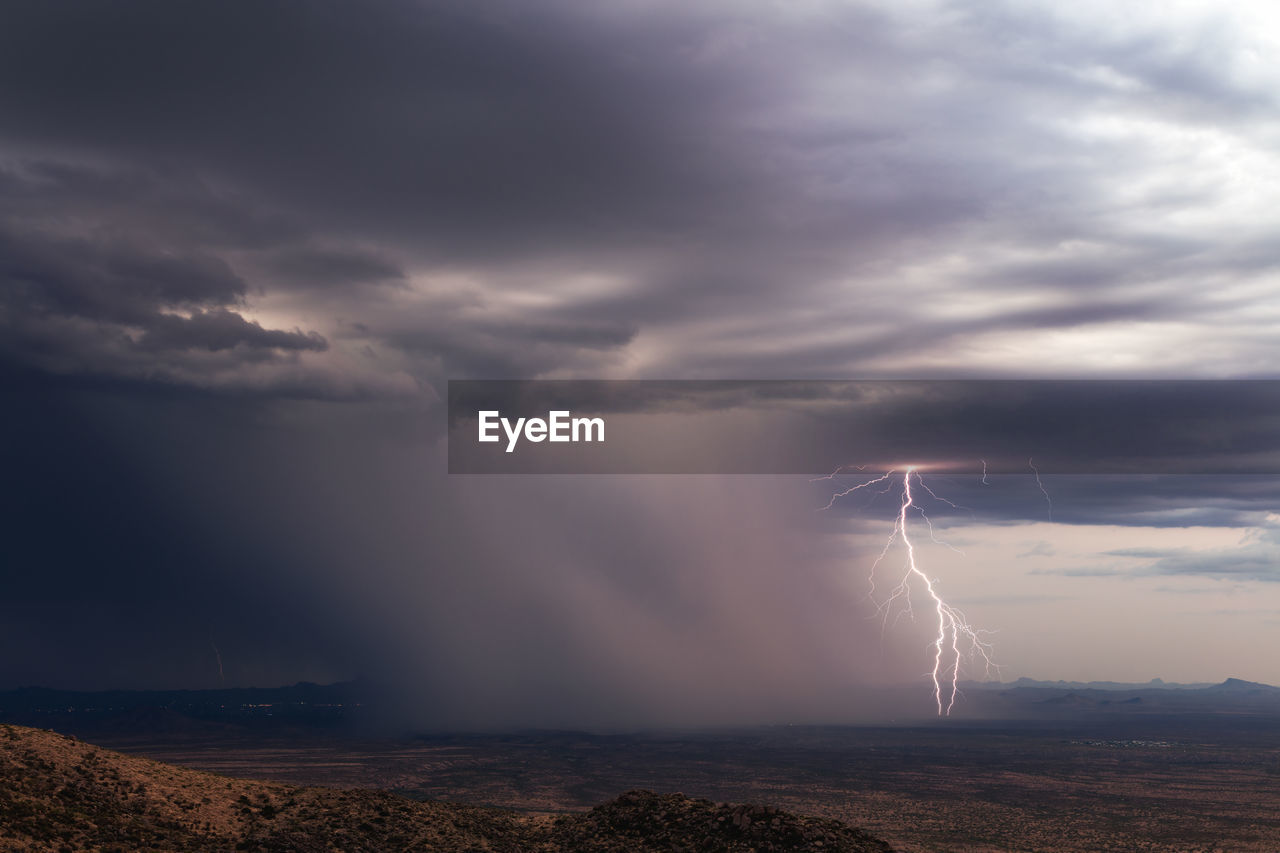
(302, 694)
(122, 712)
(1153, 684)
(354, 705)
(1029, 698)
(1240, 685)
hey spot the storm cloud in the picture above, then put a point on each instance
(243, 248)
(735, 190)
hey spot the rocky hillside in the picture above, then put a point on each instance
(58, 793)
(644, 821)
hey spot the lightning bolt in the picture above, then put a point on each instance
(851, 489)
(1047, 499)
(956, 638)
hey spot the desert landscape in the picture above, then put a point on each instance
(1077, 789)
(1081, 769)
(61, 794)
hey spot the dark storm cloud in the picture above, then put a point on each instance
(108, 307)
(340, 202)
(463, 127)
(1089, 506)
(836, 191)
(1160, 501)
(220, 329)
(108, 280)
(456, 133)
(507, 348)
(164, 200)
(311, 267)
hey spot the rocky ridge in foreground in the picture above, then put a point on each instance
(58, 793)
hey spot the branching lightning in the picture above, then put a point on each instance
(956, 638)
(853, 489)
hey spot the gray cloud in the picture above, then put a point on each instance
(312, 267)
(1257, 558)
(111, 281)
(114, 308)
(220, 329)
(1253, 564)
(848, 190)
(1081, 572)
(1039, 549)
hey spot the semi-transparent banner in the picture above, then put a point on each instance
(816, 427)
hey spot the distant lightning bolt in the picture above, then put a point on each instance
(837, 472)
(984, 472)
(1047, 499)
(217, 654)
(956, 638)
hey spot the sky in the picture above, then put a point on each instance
(244, 247)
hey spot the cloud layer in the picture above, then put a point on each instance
(243, 247)
(548, 189)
